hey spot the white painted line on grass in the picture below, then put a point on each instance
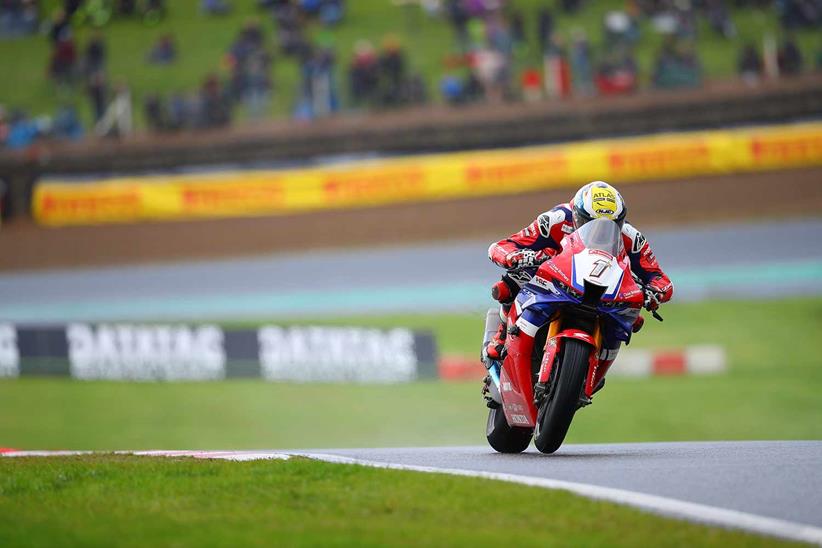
(691, 511)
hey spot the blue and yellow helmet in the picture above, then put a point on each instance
(598, 200)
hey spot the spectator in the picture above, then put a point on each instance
(67, 124)
(620, 28)
(214, 107)
(155, 113)
(531, 85)
(64, 58)
(789, 58)
(71, 7)
(117, 120)
(23, 131)
(459, 91)
(363, 74)
(517, 26)
(290, 30)
(257, 85)
(545, 28)
(97, 91)
(126, 8)
(750, 65)
(180, 112)
(95, 58)
(557, 79)
(617, 73)
(414, 91)
(719, 18)
(489, 67)
(215, 7)
(800, 13)
(164, 51)
(570, 6)
(318, 94)
(4, 125)
(331, 12)
(59, 26)
(581, 64)
(677, 66)
(458, 16)
(391, 65)
(18, 17)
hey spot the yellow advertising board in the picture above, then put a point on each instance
(427, 177)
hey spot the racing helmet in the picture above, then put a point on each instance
(598, 200)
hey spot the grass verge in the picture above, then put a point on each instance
(771, 392)
(110, 500)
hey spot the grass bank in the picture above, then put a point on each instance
(202, 42)
(109, 500)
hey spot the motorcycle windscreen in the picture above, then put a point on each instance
(602, 234)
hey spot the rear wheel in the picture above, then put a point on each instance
(503, 437)
(557, 410)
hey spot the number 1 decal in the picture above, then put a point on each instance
(599, 267)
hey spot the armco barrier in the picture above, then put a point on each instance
(429, 177)
(144, 352)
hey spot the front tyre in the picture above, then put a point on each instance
(557, 410)
(503, 437)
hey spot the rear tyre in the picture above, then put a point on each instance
(503, 437)
(557, 410)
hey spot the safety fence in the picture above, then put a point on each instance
(426, 177)
(177, 352)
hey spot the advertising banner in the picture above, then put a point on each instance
(426, 177)
(164, 352)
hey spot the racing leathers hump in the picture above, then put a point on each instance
(545, 235)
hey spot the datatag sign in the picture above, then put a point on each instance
(142, 352)
(9, 355)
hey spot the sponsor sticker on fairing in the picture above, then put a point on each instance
(519, 419)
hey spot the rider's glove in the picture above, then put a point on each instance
(651, 300)
(525, 258)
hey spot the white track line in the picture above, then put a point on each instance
(710, 515)
(702, 513)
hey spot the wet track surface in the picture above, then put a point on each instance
(778, 479)
(735, 260)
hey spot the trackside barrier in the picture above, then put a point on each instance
(691, 360)
(177, 352)
(427, 177)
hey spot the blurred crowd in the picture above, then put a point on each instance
(489, 33)
(491, 58)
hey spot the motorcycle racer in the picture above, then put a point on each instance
(522, 253)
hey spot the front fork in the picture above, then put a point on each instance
(553, 346)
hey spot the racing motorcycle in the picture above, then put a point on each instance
(551, 364)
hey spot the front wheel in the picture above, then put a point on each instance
(503, 437)
(557, 410)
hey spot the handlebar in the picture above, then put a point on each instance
(638, 281)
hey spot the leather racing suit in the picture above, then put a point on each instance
(544, 236)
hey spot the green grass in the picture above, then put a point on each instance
(203, 41)
(771, 392)
(107, 500)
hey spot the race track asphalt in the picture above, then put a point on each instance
(768, 259)
(777, 479)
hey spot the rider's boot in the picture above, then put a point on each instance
(495, 349)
